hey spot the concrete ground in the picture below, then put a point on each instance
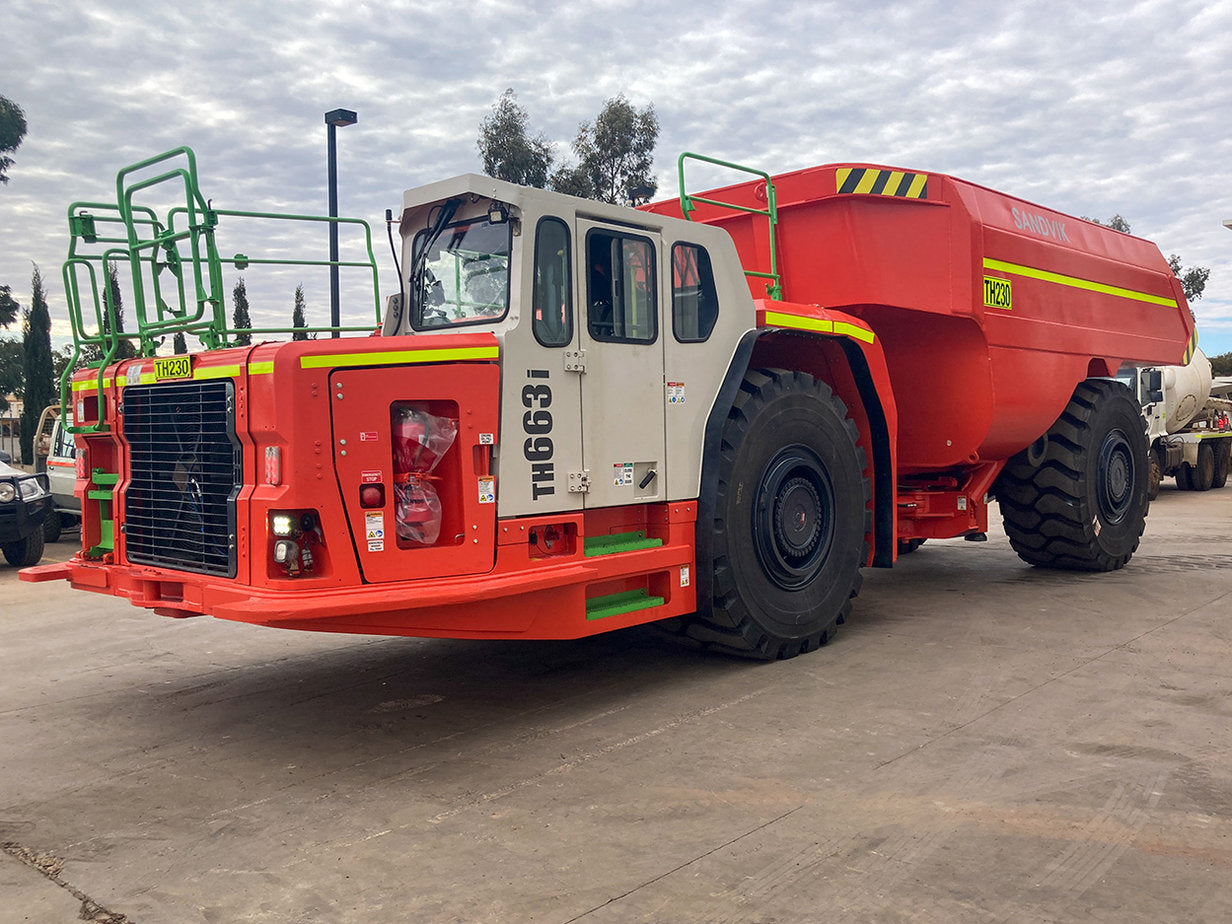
(984, 741)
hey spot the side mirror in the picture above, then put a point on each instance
(1155, 386)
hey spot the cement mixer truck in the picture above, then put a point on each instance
(1190, 431)
(709, 413)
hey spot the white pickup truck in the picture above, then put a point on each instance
(56, 454)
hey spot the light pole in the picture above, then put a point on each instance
(333, 119)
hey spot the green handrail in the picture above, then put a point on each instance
(182, 243)
(774, 288)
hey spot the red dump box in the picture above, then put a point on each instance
(990, 309)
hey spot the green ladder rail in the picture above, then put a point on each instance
(104, 492)
(175, 269)
(774, 288)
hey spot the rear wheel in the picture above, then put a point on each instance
(25, 552)
(1083, 506)
(791, 517)
(52, 526)
(1156, 477)
(1184, 477)
(1223, 458)
(1203, 475)
(907, 546)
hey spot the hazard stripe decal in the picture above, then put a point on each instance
(819, 325)
(1075, 282)
(1189, 348)
(399, 356)
(873, 182)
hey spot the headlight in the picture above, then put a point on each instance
(7, 491)
(30, 489)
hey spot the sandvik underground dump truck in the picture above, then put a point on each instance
(708, 413)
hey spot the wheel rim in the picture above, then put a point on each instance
(1116, 478)
(793, 517)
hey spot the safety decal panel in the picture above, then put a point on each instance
(874, 182)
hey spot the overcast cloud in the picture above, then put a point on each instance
(1092, 109)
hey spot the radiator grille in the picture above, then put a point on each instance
(185, 471)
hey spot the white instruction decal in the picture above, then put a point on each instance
(622, 474)
(374, 526)
(675, 392)
(487, 490)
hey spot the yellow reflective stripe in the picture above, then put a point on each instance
(891, 185)
(917, 186)
(1076, 283)
(91, 385)
(819, 325)
(397, 357)
(216, 372)
(261, 368)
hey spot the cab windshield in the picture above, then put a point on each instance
(460, 274)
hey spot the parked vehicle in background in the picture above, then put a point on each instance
(55, 454)
(1190, 431)
(24, 505)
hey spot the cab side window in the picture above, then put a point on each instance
(553, 289)
(620, 288)
(695, 306)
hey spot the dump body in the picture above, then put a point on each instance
(989, 309)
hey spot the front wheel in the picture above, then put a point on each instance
(23, 553)
(791, 519)
(1083, 506)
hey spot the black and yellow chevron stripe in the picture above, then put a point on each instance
(1189, 349)
(873, 182)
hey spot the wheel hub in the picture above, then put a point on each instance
(793, 517)
(1116, 477)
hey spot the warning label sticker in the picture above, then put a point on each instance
(675, 392)
(622, 474)
(374, 528)
(487, 490)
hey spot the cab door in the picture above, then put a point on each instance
(623, 444)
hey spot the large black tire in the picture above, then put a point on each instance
(1083, 506)
(25, 552)
(1203, 475)
(1223, 461)
(52, 526)
(791, 519)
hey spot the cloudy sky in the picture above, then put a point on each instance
(1093, 108)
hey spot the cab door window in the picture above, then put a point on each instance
(620, 288)
(695, 306)
(552, 294)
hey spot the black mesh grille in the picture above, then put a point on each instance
(185, 472)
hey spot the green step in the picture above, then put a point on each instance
(617, 604)
(619, 542)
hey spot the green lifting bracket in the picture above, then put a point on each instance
(175, 271)
(774, 288)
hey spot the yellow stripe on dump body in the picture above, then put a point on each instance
(819, 325)
(399, 356)
(1075, 282)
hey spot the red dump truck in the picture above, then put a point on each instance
(708, 413)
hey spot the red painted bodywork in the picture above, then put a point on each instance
(973, 384)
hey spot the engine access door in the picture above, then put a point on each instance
(623, 445)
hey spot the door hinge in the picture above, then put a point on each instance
(575, 361)
(579, 482)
